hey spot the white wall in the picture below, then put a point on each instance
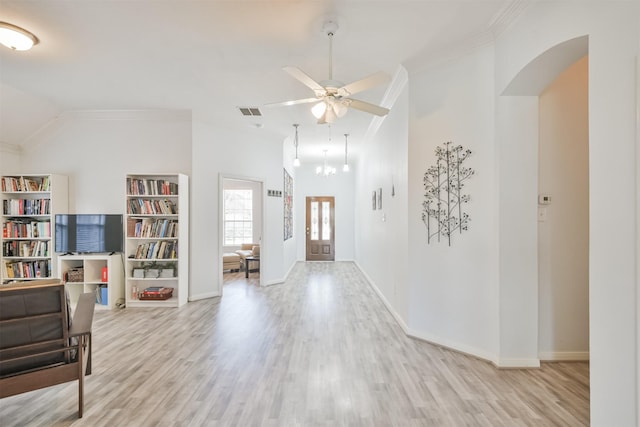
(381, 235)
(10, 159)
(97, 149)
(307, 184)
(453, 289)
(612, 28)
(239, 153)
(563, 231)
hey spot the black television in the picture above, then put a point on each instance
(88, 233)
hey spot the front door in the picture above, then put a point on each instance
(320, 229)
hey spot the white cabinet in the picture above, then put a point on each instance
(99, 274)
(29, 205)
(157, 237)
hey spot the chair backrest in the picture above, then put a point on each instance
(34, 324)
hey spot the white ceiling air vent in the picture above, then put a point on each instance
(250, 111)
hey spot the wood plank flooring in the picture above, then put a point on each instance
(318, 350)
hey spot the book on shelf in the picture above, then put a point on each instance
(26, 206)
(151, 207)
(151, 187)
(26, 229)
(28, 269)
(12, 184)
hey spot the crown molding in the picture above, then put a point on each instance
(395, 88)
(34, 140)
(162, 115)
(430, 58)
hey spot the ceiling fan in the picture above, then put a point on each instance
(331, 96)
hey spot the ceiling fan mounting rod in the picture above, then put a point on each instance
(330, 34)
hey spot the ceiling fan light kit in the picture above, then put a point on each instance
(332, 98)
(16, 38)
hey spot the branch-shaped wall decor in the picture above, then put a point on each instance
(442, 208)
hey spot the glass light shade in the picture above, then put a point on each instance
(16, 38)
(296, 162)
(319, 109)
(340, 109)
(345, 167)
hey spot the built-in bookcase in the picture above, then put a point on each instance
(29, 206)
(157, 237)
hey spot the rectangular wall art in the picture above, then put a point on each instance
(288, 205)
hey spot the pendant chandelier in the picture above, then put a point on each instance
(296, 161)
(325, 169)
(345, 167)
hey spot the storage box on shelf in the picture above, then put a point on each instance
(99, 274)
(29, 205)
(156, 243)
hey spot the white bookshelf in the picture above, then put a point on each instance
(98, 272)
(157, 237)
(29, 205)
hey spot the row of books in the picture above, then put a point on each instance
(26, 206)
(24, 183)
(151, 207)
(148, 227)
(34, 248)
(151, 187)
(157, 250)
(26, 229)
(28, 269)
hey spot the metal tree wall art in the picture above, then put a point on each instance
(443, 183)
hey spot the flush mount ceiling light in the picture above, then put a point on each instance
(16, 38)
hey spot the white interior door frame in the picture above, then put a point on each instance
(221, 178)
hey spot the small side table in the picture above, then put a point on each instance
(248, 260)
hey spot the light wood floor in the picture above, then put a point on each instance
(319, 350)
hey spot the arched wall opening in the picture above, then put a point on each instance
(519, 132)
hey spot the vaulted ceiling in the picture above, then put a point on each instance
(212, 57)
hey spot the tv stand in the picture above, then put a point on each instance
(91, 279)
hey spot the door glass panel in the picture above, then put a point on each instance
(326, 223)
(314, 221)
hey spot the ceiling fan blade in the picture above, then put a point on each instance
(364, 84)
(304, 78)
(368, 108)
(294, 102)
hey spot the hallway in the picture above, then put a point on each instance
(318, 350)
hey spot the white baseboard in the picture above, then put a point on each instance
(384, 300)
(517, 363)
(203, 296)
(274, 282)
(439, 341)
(564, 356)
